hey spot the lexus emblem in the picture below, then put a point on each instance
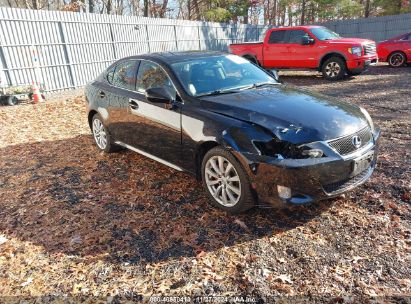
(356, 141)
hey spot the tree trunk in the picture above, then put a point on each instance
(91, 6)
(35, 4)
(290, 16)
(197, 10)
(109, 6)
(189, 9)
(145, 12)
(274, 13)
(367, 8)
(302, 21)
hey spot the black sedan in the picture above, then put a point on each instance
(248, 138)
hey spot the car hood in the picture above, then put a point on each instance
(292, 114)
(350, 41)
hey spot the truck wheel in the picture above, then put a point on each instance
(334, 68)
(12, 100)
(396, 59)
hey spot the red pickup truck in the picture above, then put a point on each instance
(310, 47)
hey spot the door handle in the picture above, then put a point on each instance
(101, 94)
(133, 104)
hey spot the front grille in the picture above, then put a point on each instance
(370, 49)
(344, 144)
(347, 183)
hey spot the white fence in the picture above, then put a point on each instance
(72, 48)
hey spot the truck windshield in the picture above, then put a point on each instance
(323, 33)
(219, 75)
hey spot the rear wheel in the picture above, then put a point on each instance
(102, 137)
(226, 182)
(397, 59)
(334, 68)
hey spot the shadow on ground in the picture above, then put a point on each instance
(68, 197)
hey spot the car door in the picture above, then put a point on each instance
(154, 127)
(120, 87)
(299, 55)
(274, 49)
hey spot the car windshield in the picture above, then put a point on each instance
(323, 33)
(219, 75)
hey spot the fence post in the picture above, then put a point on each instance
(199, 38)
(3, 61)
(175, 36)
(66, 56)
(148, 39)
(113, 41)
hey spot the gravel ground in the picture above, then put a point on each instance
(79, 223)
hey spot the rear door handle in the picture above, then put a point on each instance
(101, 94)
(133, 104)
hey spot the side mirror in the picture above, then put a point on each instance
(275, 75)
(305, 40)
(160, 95)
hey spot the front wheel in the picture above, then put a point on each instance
(226, 182)
(396, 59)
(334, 68)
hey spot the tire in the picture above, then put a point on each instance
(12, 101)
(233, 196)
(334, 68)
(397, 59)
(102, 137)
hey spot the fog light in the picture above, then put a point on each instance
(284, 192)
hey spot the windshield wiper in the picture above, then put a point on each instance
(236, 90)
(259, 84)
(218, 92)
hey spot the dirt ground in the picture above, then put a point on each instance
(77, 222)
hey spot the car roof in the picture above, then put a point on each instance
(299, 27)
(177, 56)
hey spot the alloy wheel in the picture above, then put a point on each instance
(332, 69)
(100, 135)
(397, 60)
(223, 181)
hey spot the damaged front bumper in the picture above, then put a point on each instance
(311, 179)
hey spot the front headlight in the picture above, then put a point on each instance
(282, 149)
(355, 50)
(368, 118)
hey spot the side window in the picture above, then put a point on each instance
(151, 75)
(124, 75)
(277, 37)
(296, 36)
(110, 74)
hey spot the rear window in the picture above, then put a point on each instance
(124, 75)
(277, 37)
